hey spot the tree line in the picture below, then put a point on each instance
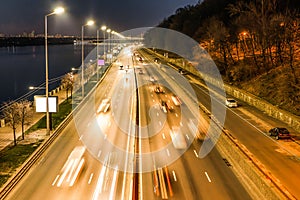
(20, 113)
(259, 34)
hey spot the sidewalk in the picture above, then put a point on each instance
(6, 133)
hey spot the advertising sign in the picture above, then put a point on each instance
(40, 103)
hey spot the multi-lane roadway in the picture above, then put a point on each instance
(143, 145)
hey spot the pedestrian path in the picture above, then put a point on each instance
(6, 133)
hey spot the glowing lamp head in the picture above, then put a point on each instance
(90, 23)
(59, 10)
(103, 28)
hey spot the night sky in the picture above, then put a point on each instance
(18, 16)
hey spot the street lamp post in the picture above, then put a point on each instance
(89, 23)
(108, 36)
(97, 54)
(103, 28)
(58, 10)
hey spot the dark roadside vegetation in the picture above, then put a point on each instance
(254, 43)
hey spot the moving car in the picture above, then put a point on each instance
(158, 89)
(104, 106)
(152, 79)
(164, 106)
(231, 103)
(178, 139)
(279, 133)
(156, 60)
(176, 100)
(72, 168)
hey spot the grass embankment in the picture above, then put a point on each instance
(13, 157)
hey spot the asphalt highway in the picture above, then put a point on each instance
(135, 135)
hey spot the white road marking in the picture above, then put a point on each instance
(99, 154)
(91, 177)
(196, 154)
(163, 135)
(187, 136)
(168, 152)
(81, 137)
(157, 114)
(174, 175)
(207, 177)
(159, 123)
(54, 182)
(176, 114)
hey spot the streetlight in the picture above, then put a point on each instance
(108, 31)
(89, 23)
(103, 28)
(58, 10)
(108, 48)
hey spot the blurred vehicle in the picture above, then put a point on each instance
(158, 89)
(72, 168)
(169, 107)
(152, 79)
(164, 106)
(176, 100)
(279, 133)
(181, 71)
(231, 103)
(177, 138)
(104, 106)
(193, 126)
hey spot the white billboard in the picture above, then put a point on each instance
(40, 103)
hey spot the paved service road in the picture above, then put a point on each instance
(277, 159)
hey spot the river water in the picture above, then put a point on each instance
(24, 66)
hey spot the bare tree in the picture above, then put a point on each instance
(217, 32)
(68, 82)
(11, 114)
(25, 113)
(292, 38)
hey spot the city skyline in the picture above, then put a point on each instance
(18, 17)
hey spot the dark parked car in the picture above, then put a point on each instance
(279, 133)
